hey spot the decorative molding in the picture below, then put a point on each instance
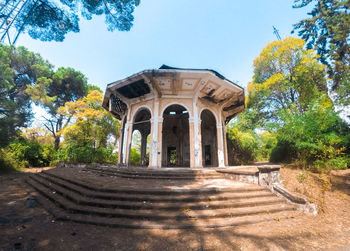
(189, 84)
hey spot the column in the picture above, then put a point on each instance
(221, 155)
(154, 137)
(221, 149)
(120, 146)
(151, 144)
(128, 142)
(192, 148)
(160, 140)
(200, 154)
(123, 153)
(197, 137)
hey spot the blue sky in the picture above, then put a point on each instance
(224, 35)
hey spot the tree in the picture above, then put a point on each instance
(52, 92)
(92, 128)
(318, 136)
(92, 123)
(327, 31)
(18, 68)
(288, 96)
(286, 76)
(50, 20)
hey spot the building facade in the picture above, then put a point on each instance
(182, 112)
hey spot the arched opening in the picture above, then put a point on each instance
(135, 152)
(139, 144)
(209, 139)
(175, 141)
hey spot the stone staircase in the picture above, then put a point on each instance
(70, 199)
(161, 173)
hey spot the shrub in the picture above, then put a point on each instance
(7, 163)
(105, 155)
(316, 138)
(79, 154)
(284, 151)
(268, 142)
(85, 154)
(243, 144)
(26, 154)
(135, 157)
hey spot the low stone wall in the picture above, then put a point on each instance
(264, 175)
(268, 176)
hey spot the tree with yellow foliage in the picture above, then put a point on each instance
(289, 97)
(91, 128)
(285, 76)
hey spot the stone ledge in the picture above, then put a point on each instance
(239, 171)
(301, 202)
(289, 195)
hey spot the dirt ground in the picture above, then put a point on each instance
(34, 229)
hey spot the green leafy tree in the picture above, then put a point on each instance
(327, 31)
(288, 97)
(318, 136)
(92, 128)
(50, 20)
(52, 92)
(18, 68)
(285, 76)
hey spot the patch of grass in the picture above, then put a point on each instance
(302, 176)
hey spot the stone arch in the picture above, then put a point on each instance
(143, 107)
(209, 139)
(142, 122)
(176, 103)
(212, 111)
(175, 136)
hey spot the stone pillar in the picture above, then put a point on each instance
(120, 145)
(154, 136)
(160, 140)
(197, 137)
(128, 142)
(221, 149)
(123, 146)
(151, 144)
(143, 148)
(192, 148)
(200, 153)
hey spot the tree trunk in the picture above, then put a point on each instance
(57, 142)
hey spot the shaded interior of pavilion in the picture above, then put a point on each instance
(175, 138)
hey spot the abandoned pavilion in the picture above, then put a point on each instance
(182, 111)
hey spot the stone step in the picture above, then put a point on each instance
(180, 191)
(159, 171)
(144, 214)
(124, 173)
(176, 198)
(82, 199)
(55, 208)
(191, 223)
